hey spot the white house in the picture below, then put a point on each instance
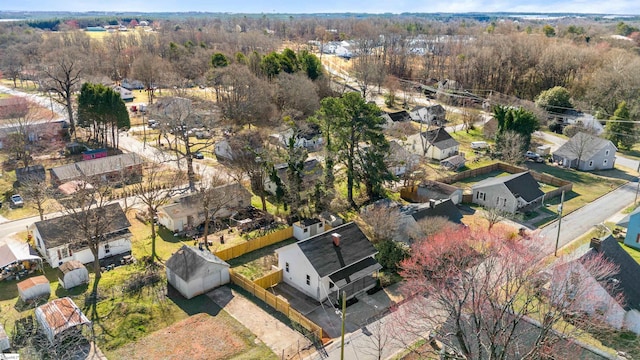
(513, 193)
(399, 159)
(125, 94)
(310, 141)
(72, 273)
(436, 144)
(187, 211)
(59, 239)
(60, 318)
(307, 228)
(34, 288)
(194, 271)
(616, 299)
(328, 264)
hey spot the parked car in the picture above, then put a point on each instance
(198, 155)
(530, 155)
(17, 201)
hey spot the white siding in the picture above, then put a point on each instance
(75, 278)
(117, 246)
(632, 321)
(218, 275)
(299, 268)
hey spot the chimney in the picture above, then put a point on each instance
(432, 203)
(595, 244)
(336, 239)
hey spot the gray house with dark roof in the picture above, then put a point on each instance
(513, 193)
(59, 240)
(328, 264)
(586, 152)
(194, 271)
(436, 144)
(615, 299)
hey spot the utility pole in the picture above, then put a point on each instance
(635, 201)
(555, 253)
(344, 315)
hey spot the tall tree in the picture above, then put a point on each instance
(63, 70)
(620, 130)
(521, 121)
(557, 99)
(214, 196)
(358, 125)
(102, 109)
(244, 98)
(296, 157)
(148, 69)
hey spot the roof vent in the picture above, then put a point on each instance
(335, 237)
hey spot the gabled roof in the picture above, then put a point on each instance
(191, 204)
(628, 274)
(70, 266)
(520, 185)
(440, 138)
(445, 209)
(64, 229)
(31, 282)
(189, 262)
(96, 167)
(401, 115)
(327, 259)
(587, 143)
(60, 315)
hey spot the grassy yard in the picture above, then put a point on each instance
(587, 187)
(258, 263)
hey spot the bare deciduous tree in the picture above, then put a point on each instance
(63, 71)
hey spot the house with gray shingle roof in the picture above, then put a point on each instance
(436, 144)
(512, 193)
(328, 264)
(586, 152)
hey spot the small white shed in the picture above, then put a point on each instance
(72, 273)
(4, 340)
(307, 228)
(194, 271)
(34, 288)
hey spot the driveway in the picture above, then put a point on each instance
(276, 335)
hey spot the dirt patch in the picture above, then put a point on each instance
(198, 337)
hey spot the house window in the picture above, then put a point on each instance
(63, 253)
(591, 163)
(481, 196)
(286, 267)
(604, 163)
(308, 280)
(638, 239)
(606, 153)
(305, 230)
(106, 248)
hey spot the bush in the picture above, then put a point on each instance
(390, 254)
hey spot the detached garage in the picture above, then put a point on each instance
(72, 274)
(34, 288)
(193, 271)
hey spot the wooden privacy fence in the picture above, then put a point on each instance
(254, 244)
(278, 303)
(269, 280)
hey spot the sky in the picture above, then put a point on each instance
(622, 7)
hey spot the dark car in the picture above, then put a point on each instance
(17, 201)
(198, 155)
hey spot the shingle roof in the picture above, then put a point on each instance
(440, 138)
(521, 184)
(628, 274)
(96, 167)
(64, 229)
(588, 144)
(327, 259)
(189, 262)
(399, 116)
(445, 209)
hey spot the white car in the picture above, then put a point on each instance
(16, 201)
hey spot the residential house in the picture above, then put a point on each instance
(60, 319)
(38, 132)
(186, 212)
(573, 117)
(225, 148)
(433, 114)
(307, 228)
(310, 140)
(4, 340)
(125, 94)
(395, 117)
(615, 299)
(59, 239)
(400, 159)
(436, 144)
(586, 152)
(33, 288)
(72, 273)
(328, 264)
(435, 190)
(94, 154)
(453, 163)
(132, 84)
(194, 271)
(412, 215)
(117, 168)
(632, 223)
(513, 193)
(311, 174)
